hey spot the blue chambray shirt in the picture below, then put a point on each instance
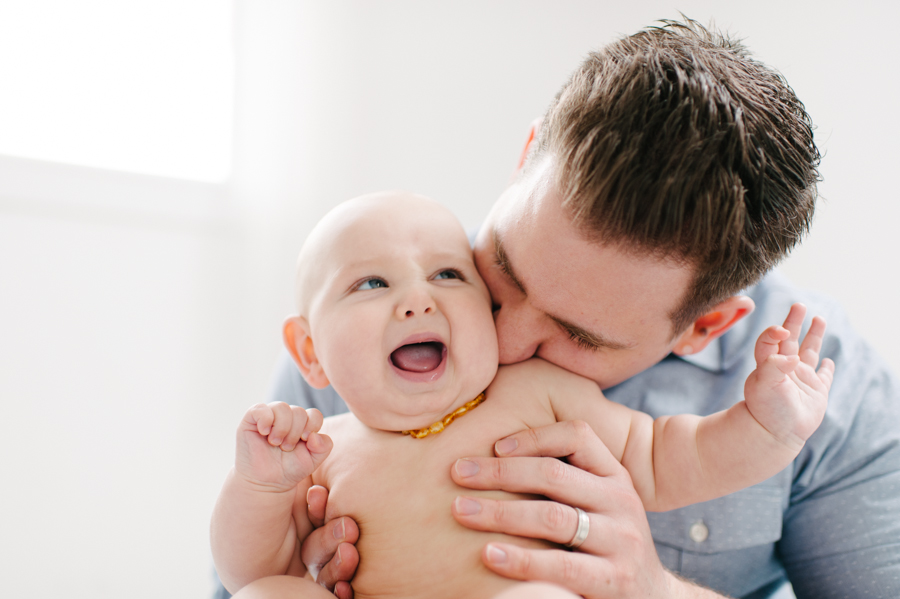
(829, 524)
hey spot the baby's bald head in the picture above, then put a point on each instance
(344, 232)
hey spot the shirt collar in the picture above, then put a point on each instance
(709, 359)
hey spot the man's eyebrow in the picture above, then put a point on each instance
(584, 336)
(503, 263)
(588, 337)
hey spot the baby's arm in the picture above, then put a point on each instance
(260, 517)
(679, 460)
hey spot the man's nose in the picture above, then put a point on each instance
(520, 330)
(416, 301)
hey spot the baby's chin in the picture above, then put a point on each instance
(402, 415)
(401, 403)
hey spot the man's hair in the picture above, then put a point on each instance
(674, 142)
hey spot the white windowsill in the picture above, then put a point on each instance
(64, 190)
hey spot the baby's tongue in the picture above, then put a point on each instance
(418, 357)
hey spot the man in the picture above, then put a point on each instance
(670, 174)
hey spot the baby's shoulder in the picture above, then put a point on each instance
(533, 378)
(534, 371)
(347, 428)
(340, 423)
(538, 378)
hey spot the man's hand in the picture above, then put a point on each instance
(786, 394)
(617, 559)
(329, 551)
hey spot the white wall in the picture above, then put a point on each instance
(438, 100)
(131, 339)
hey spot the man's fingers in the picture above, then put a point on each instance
(319, 549)
(343, 590)
(581, 573)
(546, 520)
(574, 440)
(316, 500)
(544, 476)
(341, 568)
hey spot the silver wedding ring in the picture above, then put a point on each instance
(581, 533)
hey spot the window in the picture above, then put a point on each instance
(143, 86)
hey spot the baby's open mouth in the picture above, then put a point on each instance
(418, 357)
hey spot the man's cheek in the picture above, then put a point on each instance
(497, 288)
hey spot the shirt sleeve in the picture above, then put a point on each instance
(841, 529)
(289, 386)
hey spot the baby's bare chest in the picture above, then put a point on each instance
(399, 491)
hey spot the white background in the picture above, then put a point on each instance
(139, 316)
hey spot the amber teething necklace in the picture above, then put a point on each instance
(446, 420)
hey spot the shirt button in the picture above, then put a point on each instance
(698, 532)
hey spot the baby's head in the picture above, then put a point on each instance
(392, 312)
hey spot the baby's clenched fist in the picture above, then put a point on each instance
(278, 445)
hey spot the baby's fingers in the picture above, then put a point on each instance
(319, 447)
(299, 422)
(260, 418)
(773, 371)
(313, 423)
(826, 373)
(283, 422)
(812, 343)
(767, 344)
(793, 323)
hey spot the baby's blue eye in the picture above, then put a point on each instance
(450, 273)
(373, 283)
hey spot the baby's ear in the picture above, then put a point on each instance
(300, 344)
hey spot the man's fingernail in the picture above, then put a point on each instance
(506, 446)
(339, 531)
(466, 467)
(495, 555)
(467, 506)
(275, 440)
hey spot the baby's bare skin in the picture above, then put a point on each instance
(399, 492)
(394, 315)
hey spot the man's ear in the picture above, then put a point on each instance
(532, 135)
(714, 323)
(300, 344)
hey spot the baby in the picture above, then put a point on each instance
(394, 315)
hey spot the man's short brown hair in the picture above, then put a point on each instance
(674, 142)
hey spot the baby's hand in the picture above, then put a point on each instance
(785, 393)
(278, 445)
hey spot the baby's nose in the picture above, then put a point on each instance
(417, 302)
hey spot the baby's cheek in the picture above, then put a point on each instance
(482, 354)
(351, 363)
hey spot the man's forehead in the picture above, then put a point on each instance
(602, 288)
